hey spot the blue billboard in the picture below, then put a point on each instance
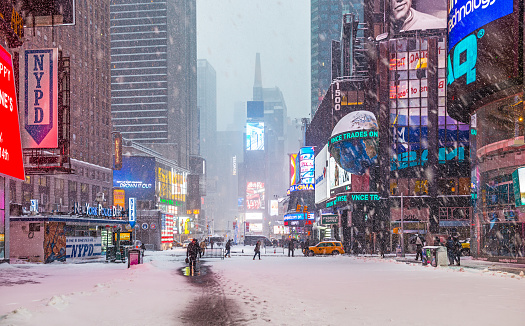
(136, 178)
(306, 165)
(466, 16)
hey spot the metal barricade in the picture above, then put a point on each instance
(213, 253)
(274, 250)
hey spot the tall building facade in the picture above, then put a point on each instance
(154, 75)
(207, 104)
(326, 22)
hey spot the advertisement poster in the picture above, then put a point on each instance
(83, 247)
(136, 178)
(306, 164)
(274, 207)
(255, 136)
(322, 191)
(41, 99)
(413, 15)
(255, 195)
(11, 162)
(340, 180)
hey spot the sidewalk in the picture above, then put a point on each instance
(469, 262)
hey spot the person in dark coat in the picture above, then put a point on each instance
(211, 243)
(257, 250)
(291, 247)
(457, 248)
(419, 247)
(306, 247)
(451, 251)
(143, 248)
(192, 252)
(228, 248)
(382, 244)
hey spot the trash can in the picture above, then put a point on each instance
(435, 256)
(134, 257)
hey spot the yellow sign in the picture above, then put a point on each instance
(1, 237)
(124, 236)
(119, 198)
(395, 230)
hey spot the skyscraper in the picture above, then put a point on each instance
(154, 75)
(326, 24)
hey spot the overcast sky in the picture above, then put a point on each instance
(231, 32)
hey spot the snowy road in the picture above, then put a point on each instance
(273, 291)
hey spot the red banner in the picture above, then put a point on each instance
(11, 162)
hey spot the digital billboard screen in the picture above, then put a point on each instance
(484, 54)
(255, 136)
(322, 190)
(255, 195)
(518, 179)
(410, 15)
(136, 178)
(253, 216)
(306, 164)
(293, 169)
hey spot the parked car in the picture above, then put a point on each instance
(326, 248)
(465, 247)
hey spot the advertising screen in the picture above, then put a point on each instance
(293, 169)
(518, 178)
(255, 136)
(41, 99)
(255, 195)
(10, 146)
(322, 190)
(306, 164)
(256, 227)
(410, 15)
(136, 178)
(253, 216)
(340, 180)
(274, 207)
(484, 53)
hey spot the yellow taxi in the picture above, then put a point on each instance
(326, 248)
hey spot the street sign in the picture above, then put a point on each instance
(34, 205)
(132, 212)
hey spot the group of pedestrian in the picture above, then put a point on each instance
(453, 250)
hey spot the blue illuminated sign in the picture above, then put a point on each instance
(136, 178)
(466, 16)
(407, 159)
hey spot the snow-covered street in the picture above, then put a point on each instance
(275, 290)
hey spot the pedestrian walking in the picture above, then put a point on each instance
(451, 251)
(228, 248)
(382, 244)
(143, 249)
(203, 248)
(419, 247)
(192, 252)
(457, 248)
(257, 250)
(291, 247)
(211, 243)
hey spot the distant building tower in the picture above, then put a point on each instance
(154, 75)
(326, 26)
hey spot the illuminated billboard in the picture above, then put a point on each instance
(136, 178)
(11, 162)
(255, 136)
(293, 169)
(322, 191)
(340, 180)
(274, 207)
(518, 179)
(484, 54)
(255, 195)
(412, 15)
(256, 227)
(40, 118)
(253, 216)
(306, 165)
(354, 142)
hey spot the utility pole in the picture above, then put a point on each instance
(402, 229)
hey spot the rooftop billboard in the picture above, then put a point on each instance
(137, 177)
